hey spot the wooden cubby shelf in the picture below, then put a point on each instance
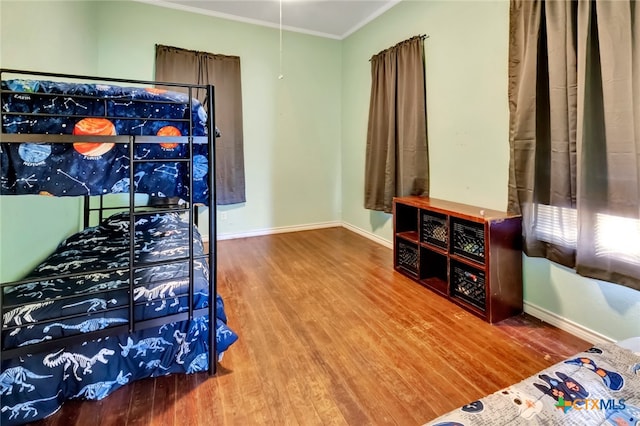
(470, 255)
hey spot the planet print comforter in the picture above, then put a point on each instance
(94, 168)
(42, 310)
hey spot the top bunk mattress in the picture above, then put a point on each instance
(100, 166)
(51, 107)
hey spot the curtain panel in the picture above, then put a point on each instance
(396, 155)
(574, 134)
(187, 66)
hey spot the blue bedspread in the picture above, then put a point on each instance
(92, 168)
(35, 386)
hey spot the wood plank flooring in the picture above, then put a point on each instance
(331, 335)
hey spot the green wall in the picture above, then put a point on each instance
(467, 110)
(466, 75)
(291, 126)
(41, 36)
(305, 135)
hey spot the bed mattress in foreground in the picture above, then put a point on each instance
(600, 386)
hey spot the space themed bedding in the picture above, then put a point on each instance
(600, 386)
(91, 167)
(34, 386)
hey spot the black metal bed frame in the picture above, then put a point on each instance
(134, 210)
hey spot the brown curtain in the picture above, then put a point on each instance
(192, 67)
(574, 134)
(396, 159)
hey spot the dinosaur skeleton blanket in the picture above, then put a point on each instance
(600, 386)
(34, 386)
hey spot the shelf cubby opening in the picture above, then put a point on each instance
(433, 270)
(467, 239)
(468, 284)
(434, 229)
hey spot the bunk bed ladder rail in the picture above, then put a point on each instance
(193, 211)
(213, 252)
(132, 233)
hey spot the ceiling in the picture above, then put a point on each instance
(326, 18)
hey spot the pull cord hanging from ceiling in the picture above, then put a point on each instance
(280, 76)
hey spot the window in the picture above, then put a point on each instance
(573, 134)
(615, 237)
(556, 225)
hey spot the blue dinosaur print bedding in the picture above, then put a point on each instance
(600, 386)
(35, 386)
(91, 167)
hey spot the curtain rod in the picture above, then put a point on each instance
(422, 36)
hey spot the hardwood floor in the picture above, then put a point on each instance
(331, 335)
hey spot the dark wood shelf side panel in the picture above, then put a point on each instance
(505, 268)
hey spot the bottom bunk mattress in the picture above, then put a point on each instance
(35, 385)
(600, 386)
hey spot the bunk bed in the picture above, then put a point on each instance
(133, 293)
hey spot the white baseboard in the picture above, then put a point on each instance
(307, 227)
(373, 237)
(278, 230)
(565, 324)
